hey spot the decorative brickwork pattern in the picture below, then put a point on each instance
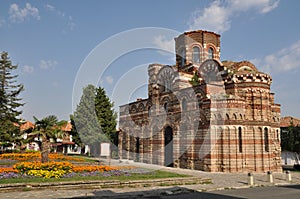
(227, 123)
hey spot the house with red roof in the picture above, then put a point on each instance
(60, 145)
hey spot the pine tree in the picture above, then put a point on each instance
(107, 117)
(86, 121)
(9, 100)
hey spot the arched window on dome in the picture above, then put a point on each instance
(149, 111)
(184, 105)
(182, 57)
(196, 55)
(166, 108)
(210, 53)
(168, 85)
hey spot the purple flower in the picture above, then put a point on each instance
(9, 175)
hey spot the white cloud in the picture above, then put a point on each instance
(263, 6)
(17, 14)
(28, 69)
(69, 25)
(218, 15)
(286, 59)
(164, 44)
(269, 8)
(216, 18)
(48, 64)
(109, 79)
(50, 7)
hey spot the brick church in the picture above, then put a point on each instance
(203, 113)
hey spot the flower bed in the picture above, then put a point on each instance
(62, 169)
(35, 156)
(45, 170)
(23, 167)
(21, 156)
(92, 168)
(8, 170)
(27, 166)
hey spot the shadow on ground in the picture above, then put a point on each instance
(174, 192)
(291, 186)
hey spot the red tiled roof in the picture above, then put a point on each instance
(70, 143)
(67, 126)
(26, 125)
(288, 120)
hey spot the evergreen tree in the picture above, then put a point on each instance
(9, 100)
(107, 117)
(86, 121)
(195, 79)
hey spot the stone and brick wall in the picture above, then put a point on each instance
(230, 124)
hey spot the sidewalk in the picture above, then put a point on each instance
(219, 181)
(222, 180)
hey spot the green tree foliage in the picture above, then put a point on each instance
(45, 129)
(74, 132)
(290, 138)
(86, 121)
(195, 79)
(107, 117)
(9, 101)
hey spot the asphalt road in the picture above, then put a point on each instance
(268, 192)
(272, 192)
(280, 192)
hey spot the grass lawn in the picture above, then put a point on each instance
(156, 174)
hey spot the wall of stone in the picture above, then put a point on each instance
(227, 126)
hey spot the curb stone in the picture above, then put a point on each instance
(104, 184)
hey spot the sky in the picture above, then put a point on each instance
(61, 46)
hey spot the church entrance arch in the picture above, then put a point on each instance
(168, 135)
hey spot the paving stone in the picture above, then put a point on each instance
(219, 181)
